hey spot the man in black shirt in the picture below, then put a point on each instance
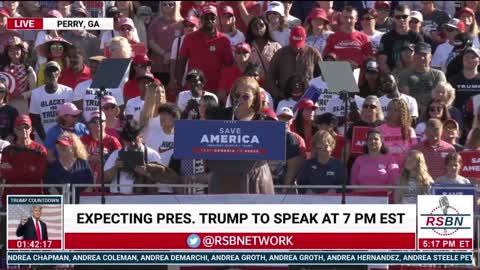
(467, 81)
(391, 42)
(7, 115)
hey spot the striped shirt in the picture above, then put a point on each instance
(435, 157)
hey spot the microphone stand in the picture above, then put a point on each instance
(344, 96)
(234, 108)
(100, 94)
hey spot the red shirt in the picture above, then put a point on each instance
(110, 144)
(339, 144)
(228, 76)
(353, 46)
(209, 54)
(28, 167)
(71, 79)
(131, 89)
(301, 144)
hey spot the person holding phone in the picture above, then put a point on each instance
(135, 163)
(188, 99)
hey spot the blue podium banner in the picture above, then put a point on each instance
(453, 189)
(230, 140)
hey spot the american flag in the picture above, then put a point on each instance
(51, 215)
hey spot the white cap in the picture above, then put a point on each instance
(417, 15)
(284, 111)
(276, 6)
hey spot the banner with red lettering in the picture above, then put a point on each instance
(471, 164)
(359, 138)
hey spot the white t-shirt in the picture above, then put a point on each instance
(282, 37)
(441, 56)
(411, 104)
(228, 103)
(290, 103)
(332, 103)
(134, 107)
(185, 96)
(239, 37)
(476, 42)
(174, 51)
(90, 99)
(3, 144)
(420, 131)
(160, 142)
(151, 130)
(126, 178)
(106, 37)
(46, 104)
(375, 39)
(155, 138)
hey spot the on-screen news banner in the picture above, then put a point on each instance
(436, 231)
(23, 24)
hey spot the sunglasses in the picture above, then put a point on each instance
(109, 107)
(143, 65)
(23, 127)
(126, 29)
(414, 21)
(56, 47)
(209, 18)
(71, 115)
(245, 97)
(435, 109)
(188, 25)
(401, 17)
(367, 18)
(242, 52)
(452, 128)
(450, 29)
(369, 106)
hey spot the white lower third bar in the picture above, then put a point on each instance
(78, 23)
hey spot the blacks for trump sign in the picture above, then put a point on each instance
(229, 140)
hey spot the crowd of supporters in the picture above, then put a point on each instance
(416, 64)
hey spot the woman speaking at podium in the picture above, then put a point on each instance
(246, 106)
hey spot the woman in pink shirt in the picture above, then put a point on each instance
(375, 166)
(399, 136)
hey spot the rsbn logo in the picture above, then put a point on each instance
(445, 219)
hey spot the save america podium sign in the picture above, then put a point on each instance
(230, 140)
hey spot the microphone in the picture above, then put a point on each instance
(235, 104)
(444, 205)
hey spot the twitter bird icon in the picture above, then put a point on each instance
(193, 241)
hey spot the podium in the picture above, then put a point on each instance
(231, 149)
(229, 176)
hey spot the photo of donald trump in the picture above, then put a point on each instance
(33, 228)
